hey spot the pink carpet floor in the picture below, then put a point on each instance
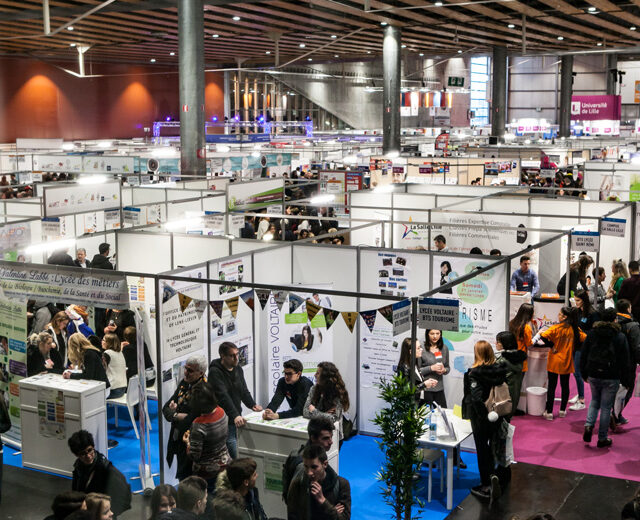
(559, 444)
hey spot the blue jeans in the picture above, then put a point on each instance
(603, 392)
(232, 441)
(578, 375)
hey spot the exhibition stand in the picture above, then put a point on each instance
(269, 443)
(51, 410)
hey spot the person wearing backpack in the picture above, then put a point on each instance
(487, 427)
(631, 330)
(605, 361)
(513, 360)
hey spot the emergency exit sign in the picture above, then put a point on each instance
(455, 82)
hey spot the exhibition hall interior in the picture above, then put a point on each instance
(320, 259)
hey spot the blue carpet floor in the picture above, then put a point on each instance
(360, 461)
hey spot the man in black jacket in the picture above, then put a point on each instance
(227, 379)
(61, 257)
(293, 387)
(604, 365)
(101, 260)
(192, 500)
(93, 473)
(631, 330)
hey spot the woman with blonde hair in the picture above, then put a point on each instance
(42, 356)
(116, 365)
(478, 382)
(87, 358)
(619, 273)
(98, 506)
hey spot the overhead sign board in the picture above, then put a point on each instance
(438, 313)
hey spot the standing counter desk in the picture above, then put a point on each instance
(51, 410)
(270, 443)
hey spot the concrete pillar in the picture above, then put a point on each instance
(499, 92)
(566, 88)
(612, 65)
(391, 56)
(191, 86)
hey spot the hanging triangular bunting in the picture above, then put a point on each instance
(232, 303)
(263, 296)
(279, 297)
(168, 292)
(369, 318)
(248, 298)
(294, 302)
(312, 309)
(200, 306)
(184, 301)
(217, 307)
(387, 313)
(330, 317)
(350, 319)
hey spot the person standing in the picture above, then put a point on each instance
(564, 338)
(618, 276)
(631, 329)
(605, 361)
(57, 328)
(525, 279)
(101, 261)
(318, 492)
(597, 293)
(241, 476)
(630, 289)
(435, 365)
(116, 365)
(521, 326)
(178, 410)
(486, 427)
(293, 387)
(440, 242)
(230, 387)
(192, 500)
(509, 355)
(61, 257)
(81, 258)
(404, 367)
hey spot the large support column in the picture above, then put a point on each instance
(499, 92)
(566, 88)
(191, 69)
(391, 90)
(612, 75)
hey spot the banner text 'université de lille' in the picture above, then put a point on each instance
(46, 283)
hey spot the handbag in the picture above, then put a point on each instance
(499, 400)
(5, 418)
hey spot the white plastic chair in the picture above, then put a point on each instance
(130, 399)
(429, 458)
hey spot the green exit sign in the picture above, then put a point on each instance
(455, 82)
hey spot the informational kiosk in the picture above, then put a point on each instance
(270, 443)
(52, 409)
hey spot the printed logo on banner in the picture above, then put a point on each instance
(401, 317)
(438, 313)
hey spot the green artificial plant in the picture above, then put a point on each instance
(402, 422)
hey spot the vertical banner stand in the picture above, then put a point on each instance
(144, 467)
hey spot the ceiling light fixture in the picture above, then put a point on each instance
(511, 26)
(172, 53)
(336, 55)
(421, 54)
(302, 45)
(632, 28)
(560, 38)
(236, 18)
(591, 9)
(438, 4)
(152, 60)
(72, 45)
(383, 23)
(333, 36)
(215, 36)
(70, 28)
(309, 59)
(459, 51)
(403, 46)
(599, 44)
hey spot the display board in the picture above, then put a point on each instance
(14, 239)
(57, 163)
(68, 199)
(256, 194)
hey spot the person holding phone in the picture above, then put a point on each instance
(435, 365)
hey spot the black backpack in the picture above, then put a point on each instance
(289, 470)
(602, 358)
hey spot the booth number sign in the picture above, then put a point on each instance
(455, 81)
(585, 241)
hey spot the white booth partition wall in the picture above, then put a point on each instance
(612, 180)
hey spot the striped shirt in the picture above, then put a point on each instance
(207, 443)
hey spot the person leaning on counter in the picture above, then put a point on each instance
(293, 387)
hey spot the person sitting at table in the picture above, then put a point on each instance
(486, 427)
(42, 356)
(87, 359)
(525, 279)
(94, 473)
(293, 387)
(328, 397)
(404, 368)
(115, 365)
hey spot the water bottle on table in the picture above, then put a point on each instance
(433, 427)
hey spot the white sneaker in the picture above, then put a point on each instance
(578, 406)
(574, 399)
(547, 416)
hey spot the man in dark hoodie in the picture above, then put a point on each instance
(631, 329)
(604, 365)
(513, 360)
(227, 379)
(101, 261)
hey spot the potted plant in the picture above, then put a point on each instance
(402, 422)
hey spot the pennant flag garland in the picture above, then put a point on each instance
(217, 307)
(280, 297)
(168, 292)
(312, 309)
(369, 318)
(248, 299)
(200, 306)
(232, 303)
(184, 301)
(263, 296)
(294, 302)
(350, 319)
(387, 313)
(330, 317)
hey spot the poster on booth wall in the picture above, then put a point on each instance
(379, 352)
(393, 274)
(154, 214)
(51, 228)
(112, 219)
(182, 331)
(14, 239)
(13, 358)
(91, 223)
(51, 413)
(482, 308)
(293, 336)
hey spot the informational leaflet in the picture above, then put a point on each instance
(13, 358)
(213, 223)
(112, 219)
(51, 413)
(379, 353)
(182, 331)
(393, 273)
(132, 215)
